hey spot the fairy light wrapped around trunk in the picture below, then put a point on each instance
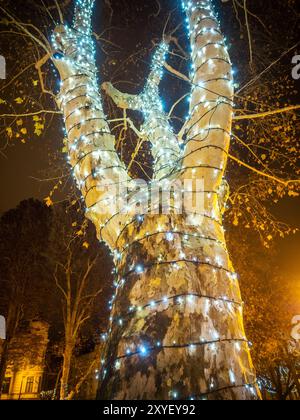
(156, 127)
(176, 324)
(95, 163)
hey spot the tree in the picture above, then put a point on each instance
(24, 235)
(75, 268)
(193, 307)
(271, 304)
(189, 340)
(40, 248)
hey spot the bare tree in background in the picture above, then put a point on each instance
(78, 281)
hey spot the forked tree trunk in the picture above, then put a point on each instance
(176, 325)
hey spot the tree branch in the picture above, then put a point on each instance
(31, 114)
(266, 113)
(272, 177)
(122, 100)
(75, 391)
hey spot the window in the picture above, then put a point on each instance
(6, 385)
(29, 385)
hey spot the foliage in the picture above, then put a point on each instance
(271, 302)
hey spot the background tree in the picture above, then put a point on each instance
(32, 236)
(77, 270)
(24, 235)
(272, 301)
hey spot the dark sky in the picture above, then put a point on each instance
(18, 169)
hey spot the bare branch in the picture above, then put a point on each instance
(31, 114)
(268, 68)
(248, 31)
(176, 73)
(273, 178)
(24, 29)
(266, 113)
(75, 391)
(59, 11)
(122, 100)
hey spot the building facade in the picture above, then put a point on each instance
(26, 363)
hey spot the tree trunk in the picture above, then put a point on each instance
(64, 382)
(176, 327)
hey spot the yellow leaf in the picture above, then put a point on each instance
(48, 202)
(24, 130)
(20, 122)
(35, 82)
(38, 128)
(85, 245)
(79, 233)
(74, 224)
(2, 101)
(9, 132)
(36, 118)
(236, 221)
(293, 193)
(19, 100)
